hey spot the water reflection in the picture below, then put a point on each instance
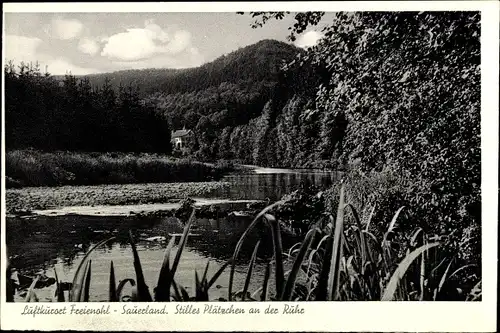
(40, 243)
(273, 186)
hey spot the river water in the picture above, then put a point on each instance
(56, 241)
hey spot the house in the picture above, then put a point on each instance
(181, 140)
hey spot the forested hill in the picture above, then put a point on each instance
(135, 110)
(246, 66)
(233, 104)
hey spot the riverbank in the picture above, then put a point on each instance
(28, 167)
(25, 200)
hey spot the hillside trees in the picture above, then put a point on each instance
(47, 114)
(405, 86)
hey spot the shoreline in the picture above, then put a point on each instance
(23, 201)
(134, 209)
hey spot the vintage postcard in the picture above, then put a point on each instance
(259, 166)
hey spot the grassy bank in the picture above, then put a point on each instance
(36, 168)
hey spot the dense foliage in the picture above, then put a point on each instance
(43, 113)
(401, 108)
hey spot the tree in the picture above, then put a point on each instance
(406, 84)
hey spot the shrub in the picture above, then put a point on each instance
(36, 168)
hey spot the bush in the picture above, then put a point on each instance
(36, 168)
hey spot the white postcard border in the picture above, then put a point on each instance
(318, 316)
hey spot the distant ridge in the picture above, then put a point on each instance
(253, 63)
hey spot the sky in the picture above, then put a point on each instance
(85, 43)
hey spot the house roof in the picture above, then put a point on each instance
(180, 133)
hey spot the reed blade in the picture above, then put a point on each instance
(113, 297)
(292, 277)
(365, 254)
(86, 283)
(218, 273)
(392, 286)
(30, 295)
(443, 279)
(392, 224)
(142, 289)
(121, 285)
(461, 269)
(333, 277)
(265, 282)
(370, 217)
(182, 243)
(178, 296)
(422, 275)
(185, 295)
(78, 290)
(278, 253)
(59, 291)
(250, 269)
(162, 290)
(240, 243)
(77, 278)
(204, 277)
(201, 294)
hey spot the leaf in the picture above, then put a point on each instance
(178, 296)
(204, 277)
(86, 283)
(122, 284)
(443, 279)
(396, 277)
(185, 295)
(240, 243)
(201, 293)
(361, 236)
(142, 289)
(333, 277)
(162, 290)
(370, 218)
(78, 277)
(31, 293)
(278, 252)
(265, 282)
(290, 282)
(113, 297)
(59, 291)
(250, 269)
(81, 284)
(392, 224)
(182, 243)
(219, 272)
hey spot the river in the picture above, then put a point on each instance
(56, 239)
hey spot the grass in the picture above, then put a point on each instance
(339, 259)
(36, 168)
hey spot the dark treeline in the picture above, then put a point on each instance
(71, 114)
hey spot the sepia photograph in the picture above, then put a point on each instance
(242, 156)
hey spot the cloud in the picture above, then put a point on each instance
(21, 48)
(64, 28)
(308, 39)
(142, 43)
(88, 46)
